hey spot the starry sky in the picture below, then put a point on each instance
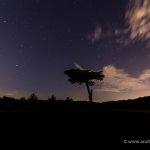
(40, 39)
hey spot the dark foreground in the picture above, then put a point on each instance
(109, 123)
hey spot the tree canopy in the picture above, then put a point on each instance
(84, 76)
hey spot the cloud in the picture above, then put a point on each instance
(138, 19)
(115, 35)
(117, 80)
(123, 41)
(95, 35)
(78, 66)
(8, 92)
(145, 75)
(136, 27)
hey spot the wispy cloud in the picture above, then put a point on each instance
(77, 66)
(145, 75)
(113, 35)
(95, 35)
(138, 19)
(9, 92)
(136, 26)
(117, 80)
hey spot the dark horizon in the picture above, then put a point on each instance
(121, 122)
(69, 99)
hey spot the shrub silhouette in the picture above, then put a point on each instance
(69, 99)
(7, 98)
(22, 99)
(33, 97)
(52, 98)
(84, 76)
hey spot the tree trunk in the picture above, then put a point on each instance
(91, 95)
(90, 92)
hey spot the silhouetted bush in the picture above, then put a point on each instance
(68, 99)
(7, 98)
(22, 99)
(52, 98)
(33, 97)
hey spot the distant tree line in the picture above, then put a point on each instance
(33, 97)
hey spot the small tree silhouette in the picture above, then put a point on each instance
(68, 99)
(22, 99)
(84, 76)
(33, 97)
(52, 98)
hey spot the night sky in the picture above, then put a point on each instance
(40, 39)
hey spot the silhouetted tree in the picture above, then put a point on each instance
(69, 99)
(8, 98)
(52, 98)
(33, 97)
(22, 99)
(84, 76)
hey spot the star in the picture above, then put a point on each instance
(4, 21)
(30, 47)
(82, 39)
(70, 41)
(21, 45)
